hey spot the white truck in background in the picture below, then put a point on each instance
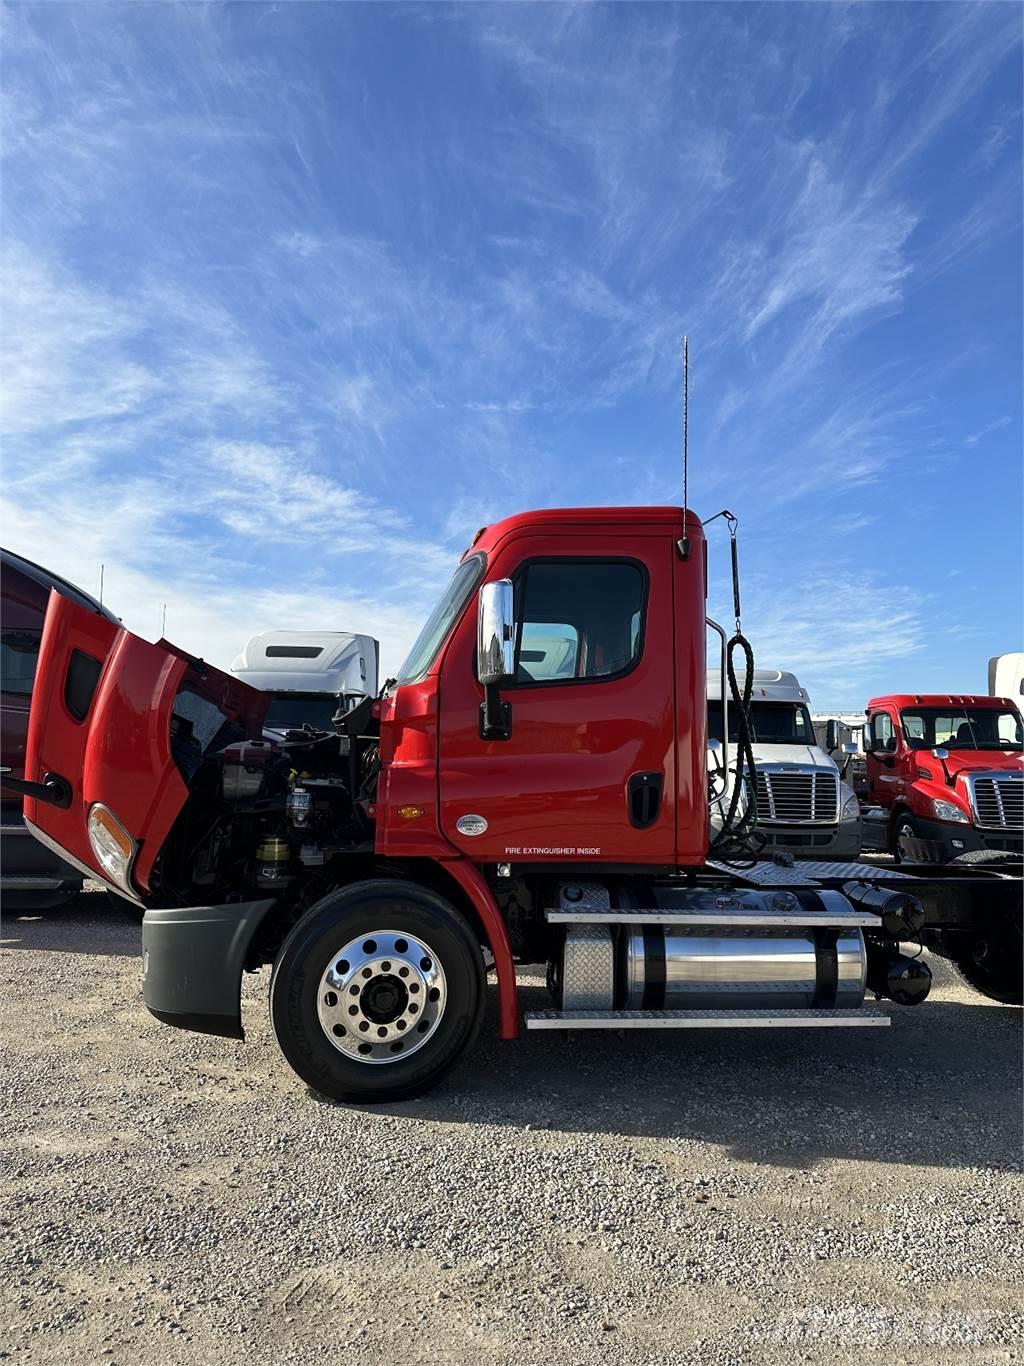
(841, 736)
(1006, 677)
(310, 675)
(804, 807)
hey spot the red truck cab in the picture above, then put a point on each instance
(947, 769)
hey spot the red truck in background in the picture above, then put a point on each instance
(534, 786)
(947, 772)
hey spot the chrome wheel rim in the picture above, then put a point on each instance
(382, 997)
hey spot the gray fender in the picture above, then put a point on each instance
(192, 963)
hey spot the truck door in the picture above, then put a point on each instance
(884, 768)
(587, 771)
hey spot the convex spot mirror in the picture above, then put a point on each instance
(495, 633)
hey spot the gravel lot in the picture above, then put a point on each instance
(170, 1198)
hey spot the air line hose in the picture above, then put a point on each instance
(738, 841)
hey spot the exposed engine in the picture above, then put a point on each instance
(266, 816)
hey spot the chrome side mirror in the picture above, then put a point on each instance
(940, 752)
(495, 633)
(849, 747)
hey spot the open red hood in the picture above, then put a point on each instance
(103, 705)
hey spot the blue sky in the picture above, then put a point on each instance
(298, 296)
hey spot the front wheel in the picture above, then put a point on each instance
(377, 992)
(904, 827)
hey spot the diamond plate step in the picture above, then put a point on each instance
(805, 873)
(865, 1018)
(739, 918)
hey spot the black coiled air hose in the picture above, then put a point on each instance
(738, 842)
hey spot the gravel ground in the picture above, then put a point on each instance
(170, 1198)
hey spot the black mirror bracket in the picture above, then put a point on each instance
(495, 715)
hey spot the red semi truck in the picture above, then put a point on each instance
(533, 786)
(947, 772)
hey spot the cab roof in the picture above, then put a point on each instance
(610, 518)
(939, 699)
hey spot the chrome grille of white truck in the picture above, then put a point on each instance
(998, 800)
(794, 796)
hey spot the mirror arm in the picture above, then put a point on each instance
(495, 715)
(53, 790)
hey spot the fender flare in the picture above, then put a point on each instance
(469, 878)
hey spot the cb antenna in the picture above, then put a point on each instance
(684, 544)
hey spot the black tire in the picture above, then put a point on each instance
(903, 824)
(990, 966)
(367, 908)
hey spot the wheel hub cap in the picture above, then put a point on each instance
(382, 996)
(384, 999)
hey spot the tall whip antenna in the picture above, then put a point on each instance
(684, 544)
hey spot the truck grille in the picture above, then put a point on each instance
(998, 800)
(798, 796)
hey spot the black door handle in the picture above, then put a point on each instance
(643, 799)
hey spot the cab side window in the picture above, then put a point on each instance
(914, 730)
(882, 732)
(579, 620)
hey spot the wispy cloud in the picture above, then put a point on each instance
(818, 630)
(841, 256)
(286, 321)
(996, 425)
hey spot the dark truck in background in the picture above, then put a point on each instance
(32, 877)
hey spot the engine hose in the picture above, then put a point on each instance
(738, 842)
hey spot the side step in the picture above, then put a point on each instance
(738, 918)
(865, 1017)
(25, 882)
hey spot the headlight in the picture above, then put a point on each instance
(849, 806)
(113, 846)
(948, 811)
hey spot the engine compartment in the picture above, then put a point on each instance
(267, 815)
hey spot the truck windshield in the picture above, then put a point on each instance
(962, 728)
(293, 710)
(772, 723)
(439, 623)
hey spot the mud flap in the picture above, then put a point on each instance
(192, 963)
